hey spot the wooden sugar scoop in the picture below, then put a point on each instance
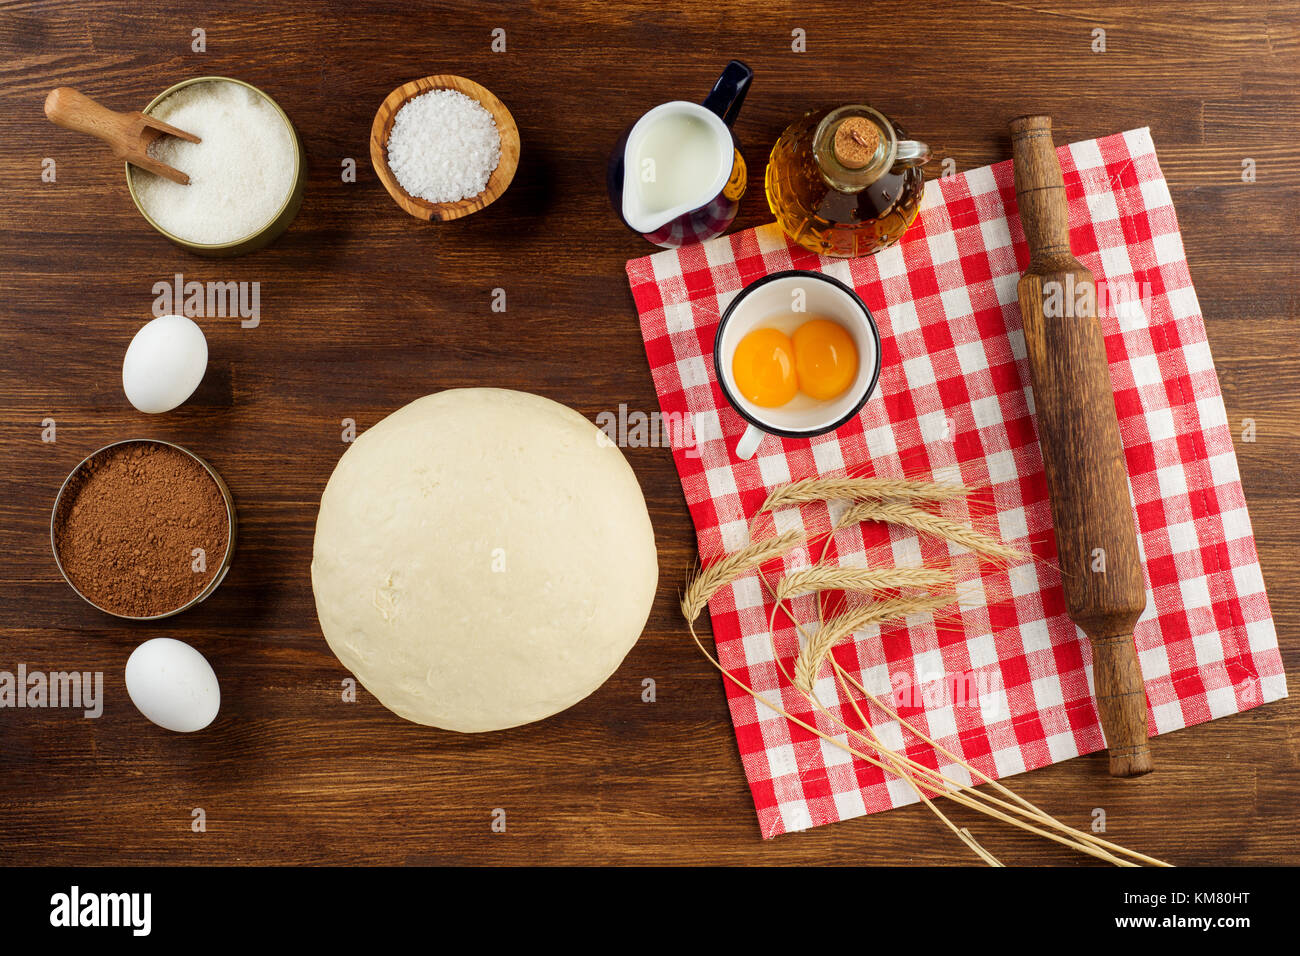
(1074, 406)
(130, 134)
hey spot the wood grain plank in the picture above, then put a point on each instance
(364, 309)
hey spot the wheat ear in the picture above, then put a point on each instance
(823, 577)
(708, 581)
(918, 519)
(814, 653)
(859, 489)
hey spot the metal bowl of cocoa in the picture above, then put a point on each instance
(143, 529)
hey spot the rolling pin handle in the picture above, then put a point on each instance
(1040, 193)
(1122, 705)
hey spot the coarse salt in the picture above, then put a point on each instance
(443, 146)
(240, 174)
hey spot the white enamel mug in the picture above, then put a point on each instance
(779, 295)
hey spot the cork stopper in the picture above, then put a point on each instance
(856, 142)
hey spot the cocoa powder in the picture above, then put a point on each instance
(129, 522)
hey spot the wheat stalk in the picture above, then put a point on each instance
(918, 519)
(858, 489)
(905, 768)
(1026, 816)
(814, 653)
(817, 648)
(822, 577)
(708, 581)
(1026, 808)
(962, 793)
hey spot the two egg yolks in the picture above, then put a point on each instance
(819, 360)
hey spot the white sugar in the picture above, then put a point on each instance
(240, 174)
(443, 146)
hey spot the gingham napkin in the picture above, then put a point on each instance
(954, 402)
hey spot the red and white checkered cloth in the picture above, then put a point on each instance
(954, 402)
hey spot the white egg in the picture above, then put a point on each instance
(164, 363)
(173, 685)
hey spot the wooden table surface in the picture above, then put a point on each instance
(364, 309)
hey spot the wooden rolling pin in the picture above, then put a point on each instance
(1074, 406)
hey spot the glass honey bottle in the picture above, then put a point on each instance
(845, 182)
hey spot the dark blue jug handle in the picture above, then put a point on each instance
(728, 94)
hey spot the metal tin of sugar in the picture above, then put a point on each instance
(226, 496)
(278, 224)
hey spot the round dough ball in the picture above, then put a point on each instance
(483, 559)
